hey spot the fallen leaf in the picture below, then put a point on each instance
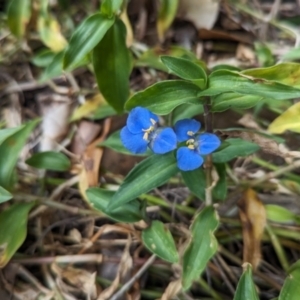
(253, 217)
(289, 120)
(172, 290)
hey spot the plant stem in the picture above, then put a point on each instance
(208, 119)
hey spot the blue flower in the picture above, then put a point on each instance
(142, 130)
(189, 157)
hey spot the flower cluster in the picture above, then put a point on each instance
(142, 131)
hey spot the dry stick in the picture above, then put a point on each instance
(129, 283)
(208, 165)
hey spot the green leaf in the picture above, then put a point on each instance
(264, 54)
(184, 111)
(112, 65)
(152, 172)
(280, 214)
(285, 73)
(4, 195)
(196, 182)
(166, 15)
(7, 132)
(14, 220)
(162, 97)
(236, 148)
(223, 81)
(114, 142)
(151, 57)
(220, 189)
(289, 120)
(102, 112)
(85, 38)
(233, 100)
(54, 68)
(202, 247)
(43, 58)
(18, 16)
(158, 240)
(8, 158)
(49, 160)
(128, 213)
(246, 289)
(291, 286)
(186, 69)
(110, 8)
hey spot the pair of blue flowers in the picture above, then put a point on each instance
(142, 131)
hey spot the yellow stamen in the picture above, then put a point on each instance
(192, 147)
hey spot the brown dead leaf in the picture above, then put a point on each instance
(172, 290)
(78, 278)
(245, 54)
(253, 217)
(202, 13)
(248, 121)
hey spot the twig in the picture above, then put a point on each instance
(129, 283)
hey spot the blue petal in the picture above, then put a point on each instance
(188, 159)
(163, 141)
(183, 126)
(133, 142)
(139, 119)
(208, 143)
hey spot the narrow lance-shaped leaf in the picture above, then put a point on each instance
(8, 158)
(18, 16)
(158, 239)
(112, 65)
(186, 69)
(13, 222)
(147, 175)
(162, 97)
(4, 195)
(128, 213)
(49, 160)
(202, 247)
(246, 289)
(85, 38)
(222, 81)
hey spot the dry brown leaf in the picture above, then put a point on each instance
(80, 279)
(202, 13)
(172, 290)
(245, 53)
(248, 121)
(253, 217)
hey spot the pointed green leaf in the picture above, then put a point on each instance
(196, 182)
(127, 213)
(54, 68)
(158, 239)
(246, 289)
(162, 97)
(18, 16)
(233, 100)
(152, 172)
(85, 38)
(223, 81)
(220, 189)
(202, 247)
(184, 111)
(49, 160)
(14, 221)
(8, 158)
(43, 58)
(280, 214)
(4, 195)
(111, 7)
(236, 148)
(186, 69)
(112, 65)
